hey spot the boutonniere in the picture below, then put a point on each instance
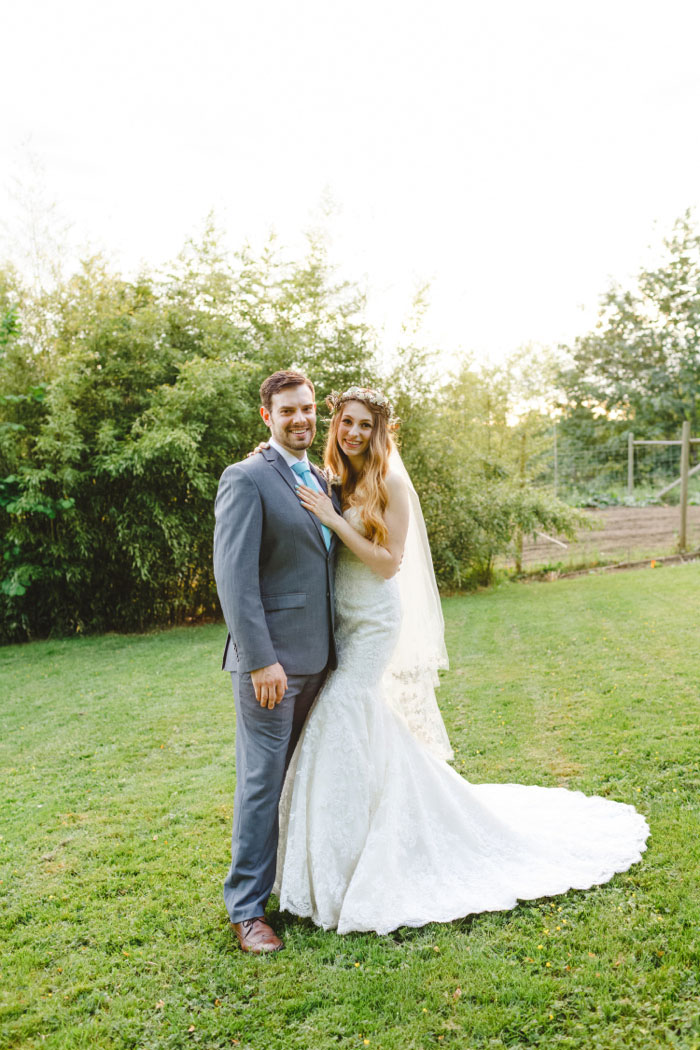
(330, 478)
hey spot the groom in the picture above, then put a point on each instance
(273, 563)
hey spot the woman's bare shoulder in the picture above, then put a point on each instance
(396, 486)
(394, 481)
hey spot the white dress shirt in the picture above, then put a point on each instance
(290, 459)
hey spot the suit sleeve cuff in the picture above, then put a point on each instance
(251, 661)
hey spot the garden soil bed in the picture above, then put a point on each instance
(618, 534)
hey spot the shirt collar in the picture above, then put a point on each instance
(289, 458)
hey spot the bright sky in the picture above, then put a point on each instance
(514, 154)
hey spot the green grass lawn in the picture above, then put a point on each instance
(118, 769)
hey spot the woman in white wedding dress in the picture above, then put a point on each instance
(377, 831)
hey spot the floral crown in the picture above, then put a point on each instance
(364, 394)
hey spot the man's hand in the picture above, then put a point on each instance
(270, 684)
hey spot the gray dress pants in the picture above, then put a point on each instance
(265, 742)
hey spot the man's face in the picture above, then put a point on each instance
(292, 417)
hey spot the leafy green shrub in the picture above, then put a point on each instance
(464, 458)
(121, 402)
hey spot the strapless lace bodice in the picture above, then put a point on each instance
(368, 614)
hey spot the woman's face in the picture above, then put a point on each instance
(355, 428)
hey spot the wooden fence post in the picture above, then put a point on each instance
(630, 464)
(519, 533)
(685, 465)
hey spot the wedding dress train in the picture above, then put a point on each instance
(376, 832)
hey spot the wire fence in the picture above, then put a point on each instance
(575, 474)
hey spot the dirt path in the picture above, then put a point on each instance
(627, 533)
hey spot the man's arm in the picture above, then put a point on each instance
(237, 537)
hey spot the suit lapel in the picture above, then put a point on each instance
(273, 457)
(286, 473)
(321, 482)
(335, 500)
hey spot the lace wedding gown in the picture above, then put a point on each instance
(376, 832)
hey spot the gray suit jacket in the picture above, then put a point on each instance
(273, 572)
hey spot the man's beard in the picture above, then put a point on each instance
(293, 440)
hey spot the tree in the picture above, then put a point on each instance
(121, 402)
(297, 314)
(640, 368)
(463, 454)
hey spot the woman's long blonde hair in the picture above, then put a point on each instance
(367, 489)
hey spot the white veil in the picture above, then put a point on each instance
(410, 679)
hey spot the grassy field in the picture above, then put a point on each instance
(118, 779)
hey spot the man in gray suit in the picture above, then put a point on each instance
(273, 563)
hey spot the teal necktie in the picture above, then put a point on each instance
(303, 471)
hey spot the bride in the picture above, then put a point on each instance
(377, 831)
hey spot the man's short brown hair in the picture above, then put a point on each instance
(278, 380)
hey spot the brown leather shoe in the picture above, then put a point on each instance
(256, 936)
